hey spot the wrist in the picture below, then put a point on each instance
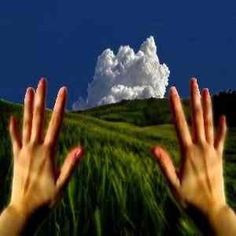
(219, 220)
(223, 220)
(214, 210)
(26, 220)
(206, 219)
(12, 221)
(20, 210)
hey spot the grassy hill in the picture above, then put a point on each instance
(138, 112)
(118, 189)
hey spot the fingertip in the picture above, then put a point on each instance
(13, 119)
(194, 84)
(77, 154)
(223, 121)
(62, 91)
(29, 93)
(174, 97)
(30, 90)
(156, 151)
(43, 80)
(194, 81)
(10, 122)
(152, 151)
(205, 93)
(173, 91)
(42, 83)
(64, 88)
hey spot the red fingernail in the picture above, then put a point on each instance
(78, 153)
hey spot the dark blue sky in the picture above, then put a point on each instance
(62, 39)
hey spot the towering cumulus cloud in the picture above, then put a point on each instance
(126, 75)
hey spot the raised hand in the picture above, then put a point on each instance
(198, 184)
(37, 182)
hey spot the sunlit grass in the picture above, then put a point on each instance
(118, 188)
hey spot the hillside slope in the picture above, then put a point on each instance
(118, 189)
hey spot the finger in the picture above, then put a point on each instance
(28, 115)
(71, 162)
(57, 117)
(221, 134)
(167, 167)
(197, 113)
(39, 110)
(14, 134)
(208, 116)
(180, 122)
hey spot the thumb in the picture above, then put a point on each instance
(167, 168)
(71, 162)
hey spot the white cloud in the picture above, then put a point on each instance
(126, 75)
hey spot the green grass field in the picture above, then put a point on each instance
(118, 188)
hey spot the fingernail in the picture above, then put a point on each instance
(194, 80)
(205, 92)
(194, 83)
(78, 153)
(62, 90)
(27, 93)
(173, 90)
(42, 81)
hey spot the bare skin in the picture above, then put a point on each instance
(198, 185)
(37, 183)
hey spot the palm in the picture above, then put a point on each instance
(199, 182)
(36, 180)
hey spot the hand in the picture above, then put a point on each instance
(199, 183)
(37, 183)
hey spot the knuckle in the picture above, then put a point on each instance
(208, 120)
(48, 144)
(38, 106)
(202, 143)
(187, 145)
(33, 142)
(26, 122)
(198, 110)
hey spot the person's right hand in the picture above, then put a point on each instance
(198, 184)
(37, 183)
(37, 180)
